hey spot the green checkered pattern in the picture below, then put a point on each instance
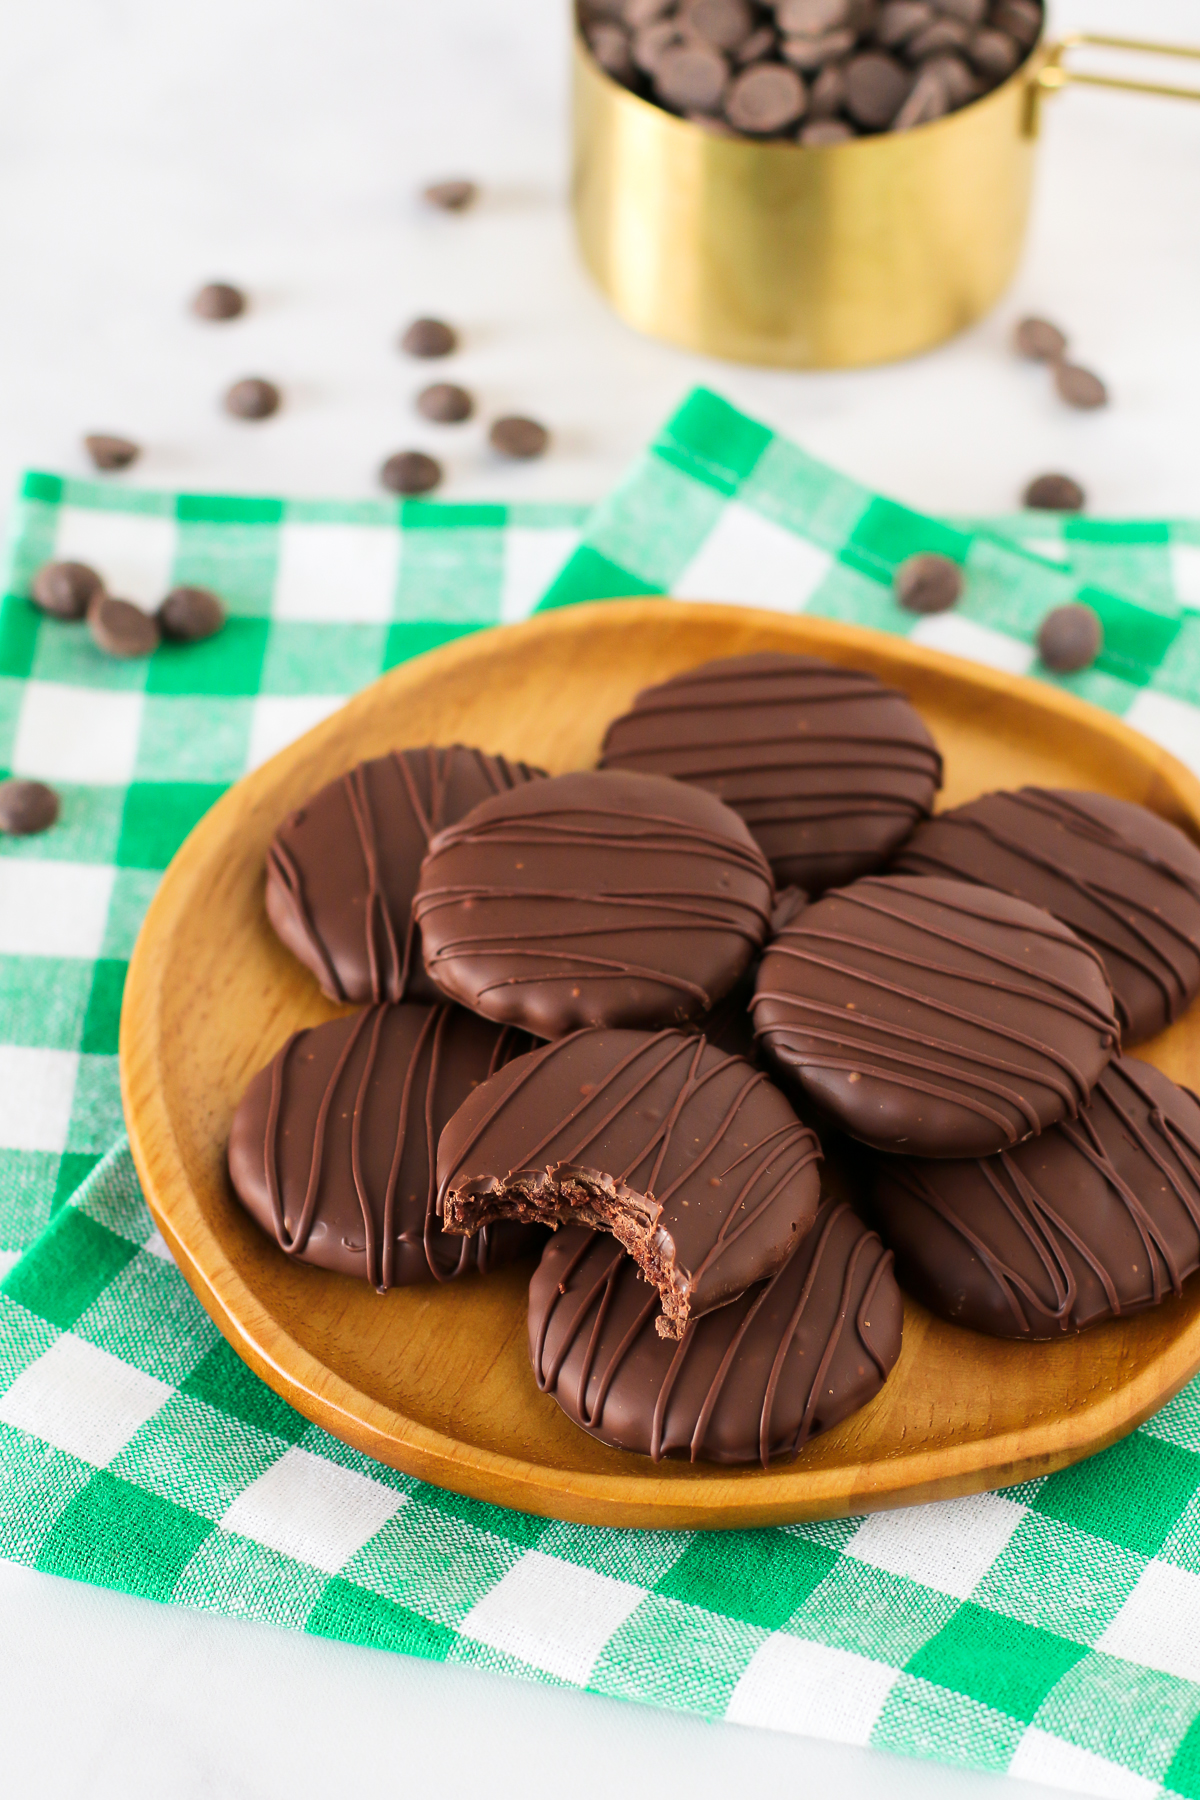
(1050, 1630)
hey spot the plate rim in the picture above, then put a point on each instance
(705, 1496)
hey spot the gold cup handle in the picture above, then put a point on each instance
(1052, 73)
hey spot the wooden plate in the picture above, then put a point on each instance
(436, 1381)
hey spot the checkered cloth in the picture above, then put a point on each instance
(1050, 1630)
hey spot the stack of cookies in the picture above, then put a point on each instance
(611, 1018)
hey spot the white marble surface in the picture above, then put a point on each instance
(145, 148)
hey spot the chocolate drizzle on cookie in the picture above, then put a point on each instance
(1093, 1220)
(753, 1381)
(1123, 879)
(829, 768)
(593, 899)
(334, 1145)
(342, 869)
(689, 1158)
(935, 1018)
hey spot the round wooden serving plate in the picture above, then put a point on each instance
(437, 1381)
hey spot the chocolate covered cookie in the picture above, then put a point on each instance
(593, 899)
(751, 1382)
(342, 869)
(1095, 1219)
(829, 768)
(935, 1018)
(334, 1144)
(1124, 880)
(689, 1158)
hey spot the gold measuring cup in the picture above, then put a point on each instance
(807, 257)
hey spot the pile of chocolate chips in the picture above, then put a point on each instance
(814, 71)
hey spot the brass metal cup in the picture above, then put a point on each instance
(806, 257)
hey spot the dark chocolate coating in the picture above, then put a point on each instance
(690, 1158)
(342, 869)
(1124, 880)
(935, 1018)
(830, 769)
(1093, 1220)
(333, 1146)
(593, 899)
(751, 1382)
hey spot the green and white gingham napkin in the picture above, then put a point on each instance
(1051, 1630)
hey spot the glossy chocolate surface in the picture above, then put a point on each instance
(1095, 1219)
(334, 1144)
(1124, 880)
(342, 869)
(593, 899)
(690, 1158)
(829, 768)
(935, 1018)
(751, 1382)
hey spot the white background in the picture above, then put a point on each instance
(146, 147)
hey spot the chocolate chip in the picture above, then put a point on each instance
(1079, 387)
(65, 590)
(450, 196)
(814, 52)
(691, 77)
(760, 43)
(1039, 340)
(651, 42)
(961, 84)
(1054, 493)
(928, 583)
(429, 337)
(765, 99)
(713, 122)
(26, 807)
(218, 300)
(723, 23)
(810, 18)
(994, 53)
(253, 398)
(927, 99)
(967, 12)
(120, 628)
(610, 47)
(410, 472)
(637, 13)
(819, 134)
(111, 452)
(826, 96)
(876, 88)
(522, 438)
(1070, 638)
(900, 20)
(445, 403)
(1021, 19)
(190, 614)
(936, 39)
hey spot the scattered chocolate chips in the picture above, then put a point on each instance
(1079, 387)
(109, 452)
(1070, 638)
(253, 398)
(1039, 341)
(928, 583)
(1054, 493)
(876, 88)
(410, 472)
(122, 629)
(519, 437)
(65, 590)
(26, 807)
(691, 77)
(190, 614)
(445, 403)
(451, 196)
(429, 337)
(218, 300)
(765, 99)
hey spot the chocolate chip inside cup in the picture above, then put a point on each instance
(764, 100)
(691, 77)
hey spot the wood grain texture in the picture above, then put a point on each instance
(437, 1382)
